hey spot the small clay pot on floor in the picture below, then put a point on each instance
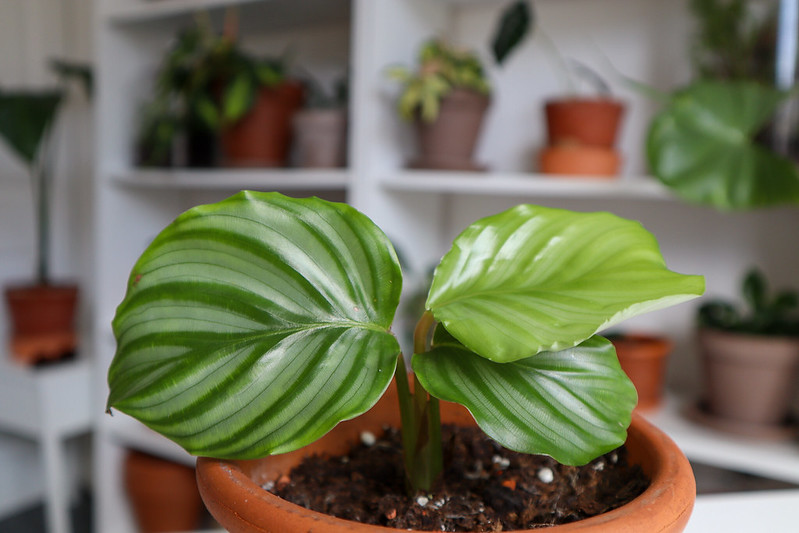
(163, 494)
(450, 141)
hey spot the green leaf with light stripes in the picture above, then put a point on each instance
(573, 405)
(255, 325)
(535, 279)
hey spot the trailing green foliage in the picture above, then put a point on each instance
(704, 146)
(763, 313)
(255, 325)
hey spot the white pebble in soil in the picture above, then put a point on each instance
(368, 438)
(421, 501)
(546, 475)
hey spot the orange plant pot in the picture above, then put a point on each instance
(232, 490)
(42, 321)
(643, 358)
(163, 494)
(262, 138)
(580, 161)
(583, 121)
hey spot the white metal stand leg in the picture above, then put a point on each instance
(56, 505)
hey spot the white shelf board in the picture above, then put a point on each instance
(130, 433)
(224, 179)
(129, 11)
(743, 512)
(773, 459)
(512, 184)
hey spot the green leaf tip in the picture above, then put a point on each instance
(534, 279)
(254, 325)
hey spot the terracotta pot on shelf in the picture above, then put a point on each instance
(320, 138)
(583, 121)
(42, 321)
(573, 160)
(232, 490)
(643, 358)
(749, 383)
(262, 138)
(163, 494)
(581, 137)
(449, 142)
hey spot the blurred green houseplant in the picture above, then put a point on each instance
(205, 83)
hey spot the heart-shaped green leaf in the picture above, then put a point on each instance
(535, 279)
(255, 325)
(572, 405)
(703, 146)
(25, 118)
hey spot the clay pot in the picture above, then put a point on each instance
(42, 321)
(572, 160)
(449, 142)
(583, 121)
(320, 138)
(643, 358)
(163, 494)
(749, 379)
(263, 136)
(232, 490)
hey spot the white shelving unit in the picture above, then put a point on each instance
(420, 210)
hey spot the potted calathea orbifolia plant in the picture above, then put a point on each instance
(253, 327)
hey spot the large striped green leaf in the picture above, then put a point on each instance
(255, 325)
(573, 405)
(535, 279)
(704, 146)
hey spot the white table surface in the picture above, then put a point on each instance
(766, 511)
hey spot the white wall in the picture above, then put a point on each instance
(31, 33)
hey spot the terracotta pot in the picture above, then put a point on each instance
(583, 121)
(749, 379)
(163, 494)
(643, 358)
(42, 321)
(580, 161)
(320, 138)
(449, 142)
(263, 136)
(232, 489)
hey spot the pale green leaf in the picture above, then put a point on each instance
(535, 279)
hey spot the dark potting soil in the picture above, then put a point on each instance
(485, 487)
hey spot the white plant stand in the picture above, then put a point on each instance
(48, 405)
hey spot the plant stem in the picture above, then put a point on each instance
(421, 420)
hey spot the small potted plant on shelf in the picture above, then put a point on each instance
(447, 98)
(229, 106)
(42, 312)
(252, 327)
(320, 128)
(750, 358)
(448, 94)
(582, 129)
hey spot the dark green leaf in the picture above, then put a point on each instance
(514, 25)
(25, 118)
(255, 325)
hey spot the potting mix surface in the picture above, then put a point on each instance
(484, 487)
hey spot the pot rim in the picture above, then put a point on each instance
(672, 486)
